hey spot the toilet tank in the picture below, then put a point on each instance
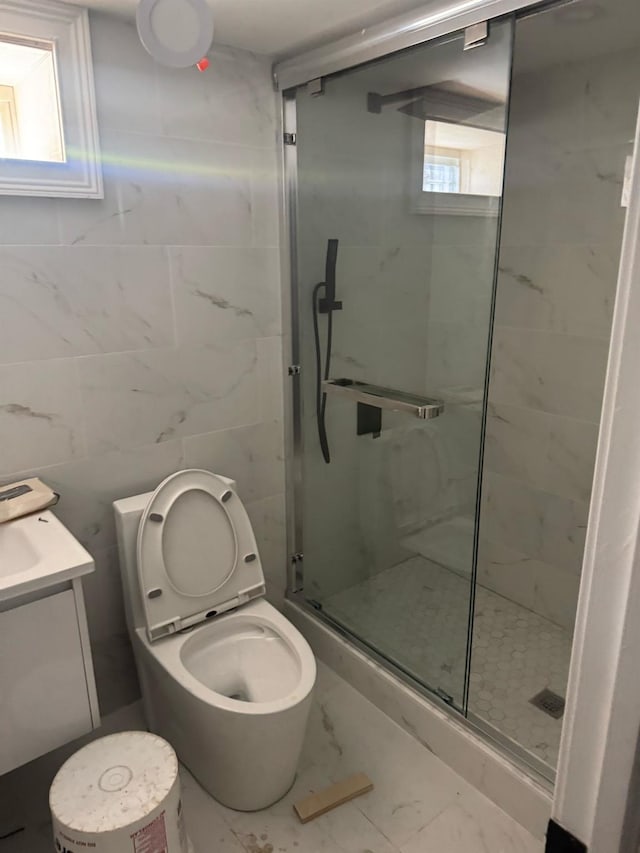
(128, 512)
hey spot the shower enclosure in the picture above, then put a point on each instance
(456, 226)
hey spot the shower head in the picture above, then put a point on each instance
(328, 302)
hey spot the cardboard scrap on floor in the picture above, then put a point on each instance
(335, 795)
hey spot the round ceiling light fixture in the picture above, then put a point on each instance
(177, 33)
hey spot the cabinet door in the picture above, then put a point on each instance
(43, 691)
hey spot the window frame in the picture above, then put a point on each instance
(68, 28)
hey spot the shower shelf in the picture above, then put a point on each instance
(384, 398)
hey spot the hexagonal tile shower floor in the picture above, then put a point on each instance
(416, 613)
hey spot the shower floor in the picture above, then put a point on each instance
(417, 613)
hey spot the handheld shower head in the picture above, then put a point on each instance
(328, 302)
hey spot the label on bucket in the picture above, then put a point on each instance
(152, 838)
(61, 846)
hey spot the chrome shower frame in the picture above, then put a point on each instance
(439, 19)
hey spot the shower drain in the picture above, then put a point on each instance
(549, 702)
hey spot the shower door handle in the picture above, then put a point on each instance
(384, 398)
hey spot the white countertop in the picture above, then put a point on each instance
(37, 551)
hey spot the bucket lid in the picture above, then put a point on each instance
(113, 782)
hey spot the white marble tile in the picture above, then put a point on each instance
(456, 355)
(529, 294)
(225, 293)
(530, 812)
(409, 792)
(253, 456)
(381, 288)
(337, 561)
(268, 519)
(432, 727)
(344, 829)
(555, 594)
(167, 191)
(612, 99)
(124, 73)
(506, 571)
(473, 824)
(30, 221)
(41, 419)
(103, 596)
(564, 529)
(203, 819)
(517, 443)
(544, 526)
(134, 399)
(233, 101)
(349, 192)
(511, 513)
(267, 202)
(584, 207)
(272, 376)
(59, 301)
(461, 284)
(571, 458)
(478, 231)
(560, 374)
(115, 671)
(550, 452)
(88, 486)
(525, 213)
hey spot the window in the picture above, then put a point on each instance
(30, 125)
(48, 131)
(441, 172)
(461, 169)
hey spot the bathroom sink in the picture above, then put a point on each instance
(38, 551)
(18, 554)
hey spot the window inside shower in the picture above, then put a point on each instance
(462, 159)
(462, 350)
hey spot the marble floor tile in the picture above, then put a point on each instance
(474, 824)
(412, 789)
(417, 804)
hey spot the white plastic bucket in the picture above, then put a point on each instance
(119, 793)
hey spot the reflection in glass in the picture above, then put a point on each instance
(462, 159)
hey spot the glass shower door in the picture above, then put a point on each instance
(399, 184)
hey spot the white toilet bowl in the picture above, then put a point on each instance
(225, 677)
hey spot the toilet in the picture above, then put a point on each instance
(225, 677)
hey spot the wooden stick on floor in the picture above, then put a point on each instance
(335, 795)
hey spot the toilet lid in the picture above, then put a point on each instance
(197, 554)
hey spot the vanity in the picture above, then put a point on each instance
(47, 685)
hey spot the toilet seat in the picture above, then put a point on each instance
(196, 553)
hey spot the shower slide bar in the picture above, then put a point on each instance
(384, 398)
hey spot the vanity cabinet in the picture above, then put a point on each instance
(47, 685)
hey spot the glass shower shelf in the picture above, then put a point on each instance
(384, 398)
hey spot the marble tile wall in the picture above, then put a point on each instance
(461, 282)
(142, 333)
(571, 128)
